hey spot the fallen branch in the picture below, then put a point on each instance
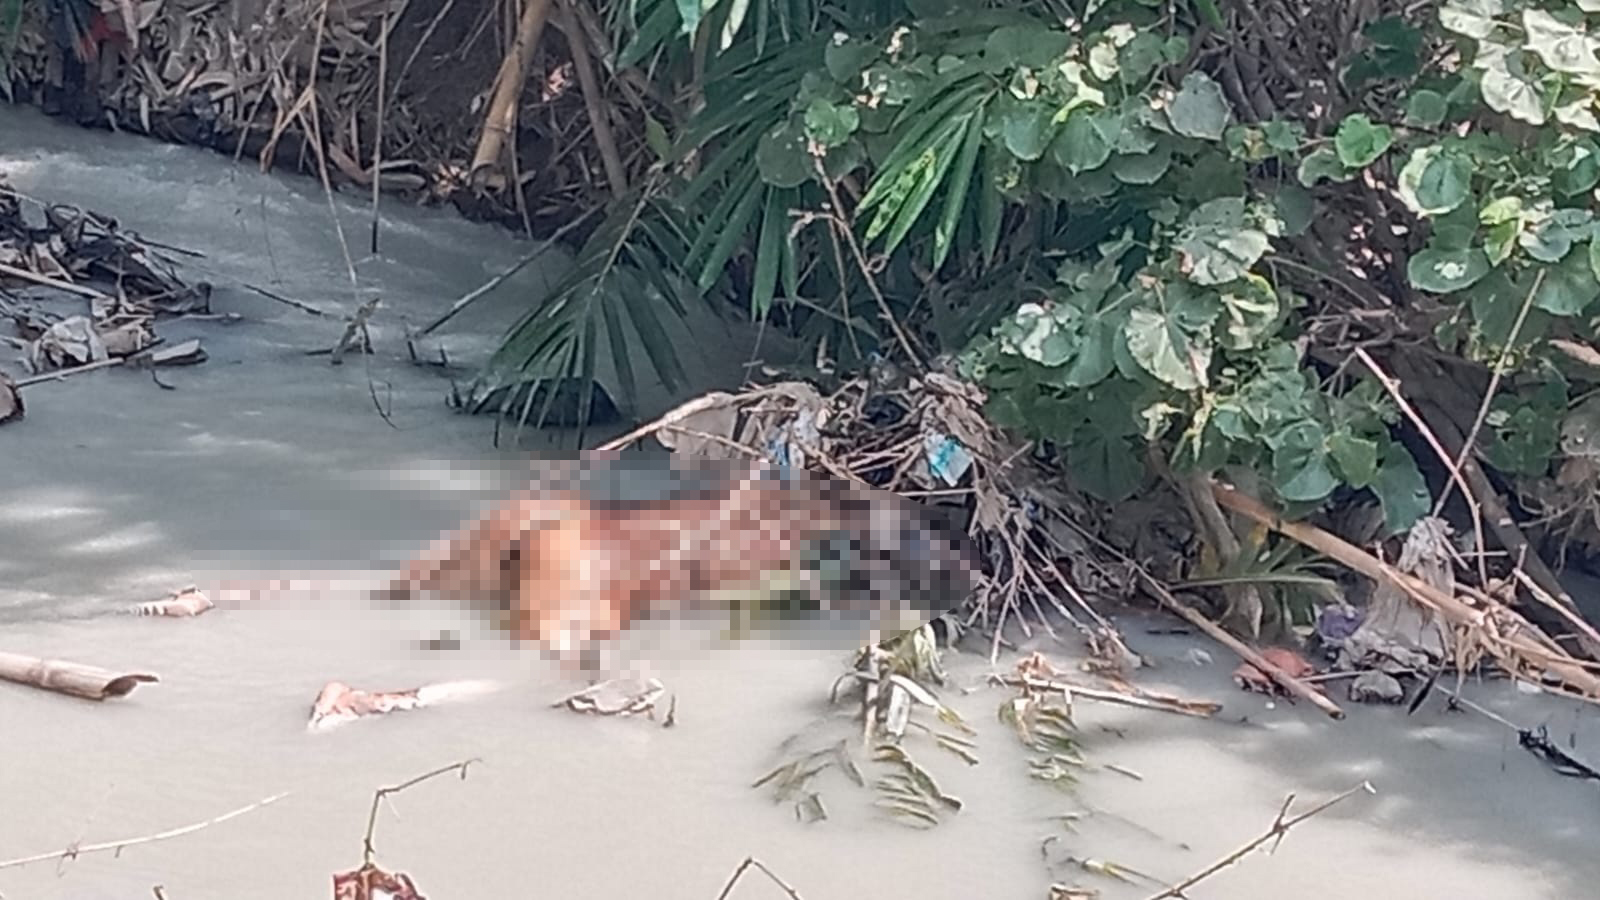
(368, 848)
(74, 852)
(56, 283)
(750, 862)
(1139, 699)
(1514, 652)
(1280, 827)
(75, 679)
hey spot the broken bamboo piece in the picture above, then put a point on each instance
(1293, 685)
(501, 117)
(74, 679)
(1512, 651)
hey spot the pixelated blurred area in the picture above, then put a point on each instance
(590, 547)
(883, 506)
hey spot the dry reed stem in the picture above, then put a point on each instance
(1280, 827)
(116, 846)
(593, 99)
(1392, 385)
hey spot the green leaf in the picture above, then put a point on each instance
(1284, 137)
(1300, 470)
(1084, 141)
(1426, 109)
(1034, 333)
(1359, 142)
(1594, 257)
(847, 57)
(1472, 18)
(1434, 182)
(956, 194)
(1033, 46)
(1356, 457)
(1142, 168)
(1139, 57)
(1442, 271)
(830, 125)
(1251, 308)
(1164, 351)
(1569, 287)
(1552, 237)
(1511, 93)
(1576, 168)
(1111, 469)
(769, 254)
(689, 12)
(1322, 163)
(1401, 490)
(781, 157)
(1295, 208)
(1026, 126)
(1216, 244)
(1199, 110)
(1562, 47)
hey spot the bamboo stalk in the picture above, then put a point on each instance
(74, 679)
(513, 74)
(593, 101)
(1512, 651)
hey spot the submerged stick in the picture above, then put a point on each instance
(368, 847)
(750, 862)
(1280, 827)
(74, 679)
(74, 852)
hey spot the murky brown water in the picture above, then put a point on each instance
(114, 490)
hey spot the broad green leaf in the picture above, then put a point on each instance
(1164, 351)
(847, 57)
(1026, 127)
(1095, 360)
(1569, 287)
(1434, 182)
(1501, 210)
(1199, 110)
(1282, 136)
(781, 157)
(1084, 141)
(1577, 168)
(1300, 470)
(1426, 109)
(1111, 469)
(1251, 310)
(830, 125)
(1142, 168)
(1562, 47)
(1508, 92)
(1356, 457)
(1034, 333)
(1216, 244)
(1359, 141)
(1473, 18)
(1579, 113)
(1295, 207)
(1441, 271)
(1033, 46)
(1594, 257)
(1139, 57)
(1322, 163)
(1551, 238)
(1401, 489)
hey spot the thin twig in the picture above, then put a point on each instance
(749, 863)
(303, 307)
(1280, 827)
(1392, 385)
(117, 846)
(516, 267)
(1488, 395)
(368, 850)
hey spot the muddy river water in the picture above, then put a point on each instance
(266, 459)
